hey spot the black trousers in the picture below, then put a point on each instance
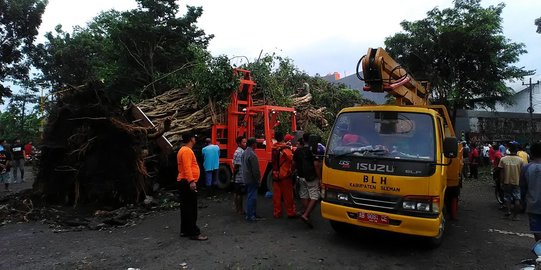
(188, 210)
(474, 171)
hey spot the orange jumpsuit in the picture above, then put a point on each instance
(284, 187)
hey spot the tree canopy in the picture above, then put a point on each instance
(462, 51)
(132, 52)
(19, 23)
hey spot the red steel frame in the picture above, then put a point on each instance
(242, 108)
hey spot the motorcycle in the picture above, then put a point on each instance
(532, 264)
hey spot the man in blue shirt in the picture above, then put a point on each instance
(502, 149)
(211, 156)
(530, 187)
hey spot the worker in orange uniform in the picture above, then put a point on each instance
(282, 182)
(188, 175)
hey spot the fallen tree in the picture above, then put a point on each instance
(180, 106)
(91, 153)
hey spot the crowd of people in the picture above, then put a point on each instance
(12, 159)
(290, 163)
(516, 171)
(476, 155)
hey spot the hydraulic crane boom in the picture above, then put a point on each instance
(382, 73)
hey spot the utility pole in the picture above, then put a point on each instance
(530, 109)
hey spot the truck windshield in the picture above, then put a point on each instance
(384, 134)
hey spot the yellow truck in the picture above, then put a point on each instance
(392, 167)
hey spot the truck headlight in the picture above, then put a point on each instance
(342, 197)
(421, 204)
(331, 193)
(408, 205)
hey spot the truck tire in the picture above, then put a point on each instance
(224, 177)
(434, 242)
(266, 182)
(451, 201)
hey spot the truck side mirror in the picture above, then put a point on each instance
(450, 147)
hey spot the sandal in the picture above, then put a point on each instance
(307, 222)
(199, 238)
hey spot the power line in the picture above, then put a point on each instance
(530, 109)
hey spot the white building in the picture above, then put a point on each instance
(521, 100)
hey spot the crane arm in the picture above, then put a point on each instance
(382, 73)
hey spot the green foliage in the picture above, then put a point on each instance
(334, 97)
(18, 121)
(277, 78)
(462, 52)
(19, 23)
(133, 52)
(210, 78)
(12, 126)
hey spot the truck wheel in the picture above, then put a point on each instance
(436, 241)
(269, 182)
(451, 201)
(266, 182)
(340, 227)
(224, 177)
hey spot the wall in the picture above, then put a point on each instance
(497, 126)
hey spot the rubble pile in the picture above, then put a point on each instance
(19, 207)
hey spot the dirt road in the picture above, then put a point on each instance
(480, 239)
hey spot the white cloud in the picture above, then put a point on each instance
(320, 36)
(70, 13)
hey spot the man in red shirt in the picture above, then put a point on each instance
(28, 149)
(496, 173)
(491, 153)
(474, 161)
(188, 175)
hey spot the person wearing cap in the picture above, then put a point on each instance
(188, 175)
(211, 163)
(288, 139)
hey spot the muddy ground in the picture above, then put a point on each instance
(480, 239)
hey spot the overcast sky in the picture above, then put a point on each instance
(320, 36)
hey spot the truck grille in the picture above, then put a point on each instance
(369, 201)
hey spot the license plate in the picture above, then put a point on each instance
(373, 218)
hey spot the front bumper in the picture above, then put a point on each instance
(397, 223)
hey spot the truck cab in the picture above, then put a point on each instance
(392, 167)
